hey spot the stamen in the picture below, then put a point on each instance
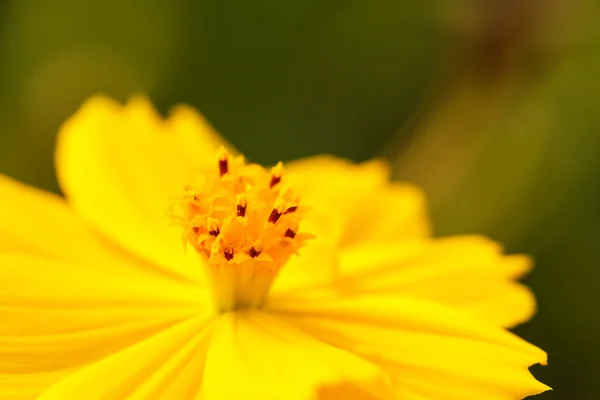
(213, 227)
(228, 253)
(253, 253)
(278, 210)
(274, 217)
(223, 161)
(234, 218)
(276, 173)
(256, 249)
(290, 233)
(242, 204)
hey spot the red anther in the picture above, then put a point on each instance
(276, 173)
(274, 180)
(290, 233)
(274, 217)
(253, 253)
(223, 167)
(223, 161)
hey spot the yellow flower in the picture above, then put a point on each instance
(319, 280)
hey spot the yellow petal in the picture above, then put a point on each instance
(57, 315)
(188, 383)
(179, 377)
(428, 341)
(39, 223)
(314, 265)
(503, 304)
(358, 200)
(121, 166)
(417, 384)
(141, 371)
(396, 212)
(334, 188)
(411, 314)
(468, 272)
(255, 356)
(28, 386)
(345, 391)
(455, 251)
(29, 281)
(197, 136)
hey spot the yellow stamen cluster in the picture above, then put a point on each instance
(244, 221)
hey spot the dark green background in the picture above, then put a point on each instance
(491, 106)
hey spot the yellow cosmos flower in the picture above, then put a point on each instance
(319, 280)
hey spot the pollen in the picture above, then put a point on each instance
(245, 222)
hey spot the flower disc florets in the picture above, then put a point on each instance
(244, 221)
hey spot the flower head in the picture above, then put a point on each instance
(174, 269)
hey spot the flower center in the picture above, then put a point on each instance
(244, 221)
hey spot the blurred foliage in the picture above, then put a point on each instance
(490, 105)
(281, 81)
(509, 148)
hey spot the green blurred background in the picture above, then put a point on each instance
(491, 106)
